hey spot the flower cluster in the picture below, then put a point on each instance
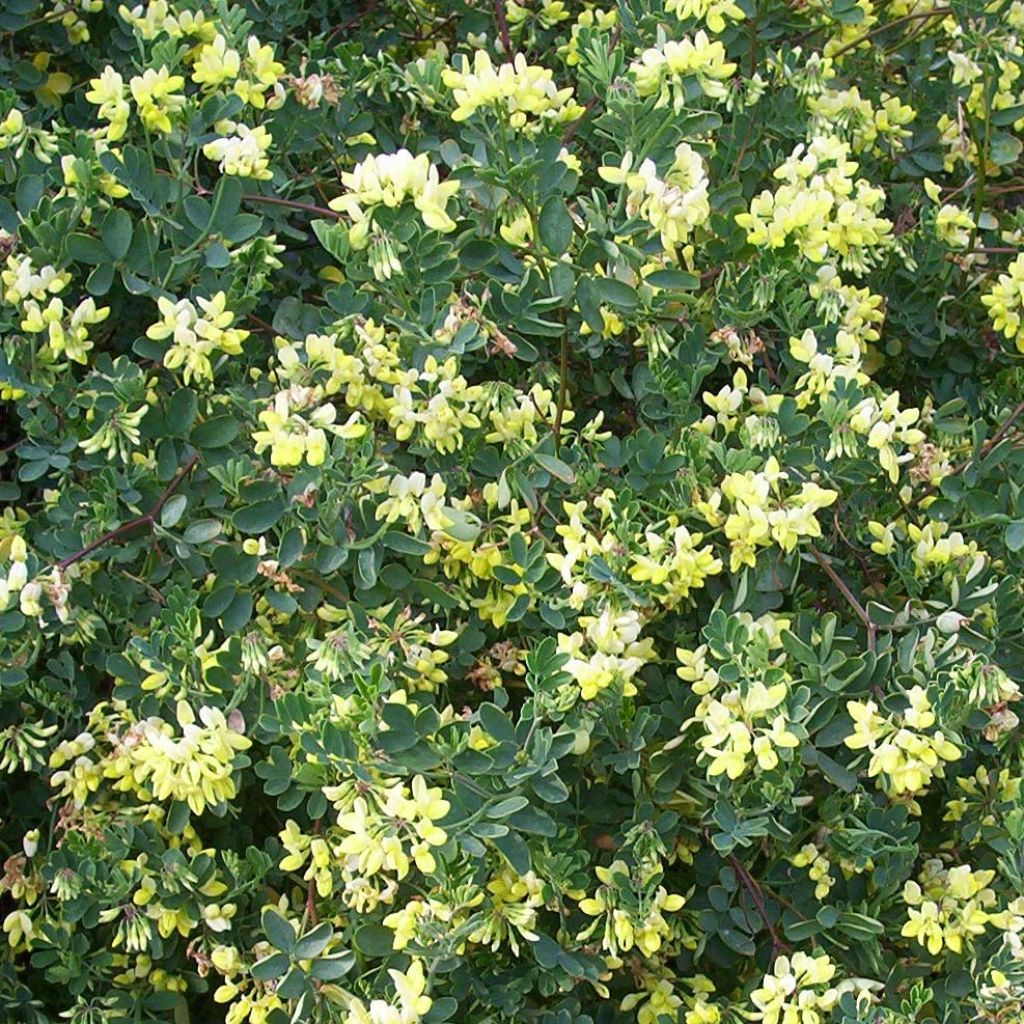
(948, 908)
(742, 723)
(674, 205)
(797, 988)
(624, 921)
(523, 95)
(241, 151)
(390, 180)
(663, 70)
(821, 209)
(196, 334)
(607, 650)
(904, 754)
(1005, 302)
(296, 424)
(757, 512)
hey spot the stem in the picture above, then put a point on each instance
(983, 147)
(500, 14)
(1015, 415)
(563, 382)
(311, 885)
(750, 884)
(752, 28)
(291, 204)
(145, 520)
(847, 593)
(879, 29)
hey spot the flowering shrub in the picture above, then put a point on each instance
(511, 512)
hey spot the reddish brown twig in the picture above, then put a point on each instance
(879, 29)
(144, 520)
(574, 127)
(847, 593)
(502, 17)
(311, 886)
(291, 204)
(750, 884)
(985, 449)
(366, 11)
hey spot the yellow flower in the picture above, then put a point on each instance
(196, 334)
(108, 93)
(217, 63)
(243, 152)
(523, 94)
(157, 96)
(947, 908)
(795, 991)
(1005, 302)
(195, 767)
(662, 70)
(712, 12)
(389, 180)
(292, 436)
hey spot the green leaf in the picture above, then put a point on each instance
(201, 531)
(675, 280)
(216, 432)
(116, 232)
(270, 967)
(178, 816)
(172, 510)
(508, 806)
(292, 985)
(404, 544)
(374, 940)
(258, 517)
(1015, 535)
(556, 467)
(278, 930)
(314, 942)
(590, 304)
(333, 967)
(28, 193)
(100, 279)
(1005, 149)
(86, 249)
(616, 293)
(555, 226)
(514, 849)
(496, 723)
(333, 237)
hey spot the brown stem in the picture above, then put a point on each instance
(311, 886)
(750, 884)
(500, 14)
(563, 384)
(291, 204)
(574, 127)
(1015, 415)
(145, 520)
(367, 10)
(879, 29)
(847, 593)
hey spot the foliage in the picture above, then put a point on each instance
(511, 511)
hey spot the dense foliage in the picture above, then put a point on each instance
(511, 511)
